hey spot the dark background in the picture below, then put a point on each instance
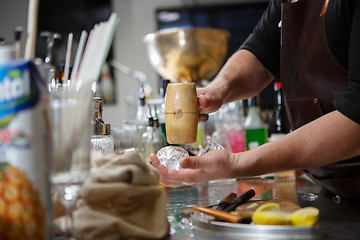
(70, 16)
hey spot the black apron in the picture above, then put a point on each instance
(312, 77)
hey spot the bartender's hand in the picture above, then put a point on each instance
(215, 164)
(209, 99)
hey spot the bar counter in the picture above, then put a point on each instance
(338, 219)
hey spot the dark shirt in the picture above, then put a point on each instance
(343, 36)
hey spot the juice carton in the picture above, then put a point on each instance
(25, 140)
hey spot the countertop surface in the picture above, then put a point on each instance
(338, 219)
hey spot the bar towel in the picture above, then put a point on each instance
(121, 200)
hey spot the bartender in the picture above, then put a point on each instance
(314, 47)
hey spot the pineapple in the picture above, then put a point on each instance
(21, 213)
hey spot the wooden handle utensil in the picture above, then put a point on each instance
(222, 215)
(240, 200)
(226, 201)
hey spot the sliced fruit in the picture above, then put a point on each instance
(306, 217)
(270, 214)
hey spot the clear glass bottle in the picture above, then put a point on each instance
(153, 139)
(141, 113)
(255, 128)
(101, 140)
(47, 68)
(229, 127)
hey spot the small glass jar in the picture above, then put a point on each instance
(101, 140)
(102, 143)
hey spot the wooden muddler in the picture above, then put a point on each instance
(181, 113)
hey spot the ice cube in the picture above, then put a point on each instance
(212, 145)
(170, 156)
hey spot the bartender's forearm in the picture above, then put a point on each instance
(329, 139)
(242, 76)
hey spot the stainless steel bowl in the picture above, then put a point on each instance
(187, 54)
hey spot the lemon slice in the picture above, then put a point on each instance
(305, 217)
(270, 214)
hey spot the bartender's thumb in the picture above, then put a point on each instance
(190, 162)
(208, 103)
(213, 160)
(198, 162)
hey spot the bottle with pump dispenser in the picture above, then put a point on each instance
(153, 139)
(101, 140)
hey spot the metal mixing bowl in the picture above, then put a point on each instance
(187, 54)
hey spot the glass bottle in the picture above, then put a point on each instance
(278, 126)
(47, 68)
(101, 140)
(153, 139)
(107, 84)
(229, 127)
(141, 113)
(7, 53)
(255, 129)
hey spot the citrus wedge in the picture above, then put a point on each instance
(270, 214)
(305, 217)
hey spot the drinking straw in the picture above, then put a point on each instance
(75, 114)
(109, 31)
(89, 55)
(79, 54)
(94, 55)
(96, 51)
(31, 29)
(83, 61)
(67, 58)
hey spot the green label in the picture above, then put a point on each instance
(255, 137)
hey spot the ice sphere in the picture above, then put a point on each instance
(170, 156)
